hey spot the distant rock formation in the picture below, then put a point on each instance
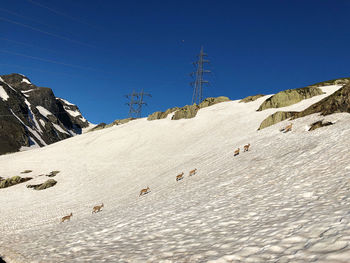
(188, 111)
(251, 98)
(339, 101)
(160, 114)
(275, 118)
(290, 97)
(211, 101)
(116, 122)
(33, 116)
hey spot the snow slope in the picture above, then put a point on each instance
(286, 200)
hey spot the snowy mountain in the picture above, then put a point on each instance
(31, 116)
(285, 200)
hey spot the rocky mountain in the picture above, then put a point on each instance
(32, 116)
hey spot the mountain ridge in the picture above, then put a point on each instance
(32, 116)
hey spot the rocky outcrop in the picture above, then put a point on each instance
(275, 118)
(251, 98)
(290, 97)
(49, 183)
(4, 183)
(100, 126)
(339, 101)
(160, 114)
(211, 101)
(319, 124)
(33, 116)
(116, 122)
(187, 112)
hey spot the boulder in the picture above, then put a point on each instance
(251, 98)
(49, 183)
(211, 101)
(13, 181)
(160, 114)
(187, 112)
(290, 97)
(275, 118)
(319, 124)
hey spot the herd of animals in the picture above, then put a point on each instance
(179, 177)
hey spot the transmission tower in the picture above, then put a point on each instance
(199, 82)
(136, 102)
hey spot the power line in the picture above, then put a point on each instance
(62, 14)
(48, 60)
(45, 32)
(27, 45)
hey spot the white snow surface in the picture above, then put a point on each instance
(43, 111)
(285, 200)
(57, 127)
(3, 94)
(26, 81)
(72, 113)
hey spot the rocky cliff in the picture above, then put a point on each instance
(31, 116)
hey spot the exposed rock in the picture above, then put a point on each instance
(187, 112)
(251, 98)
(319, 124)
(211, 101)
(53, 174)
(31, 115)
(276, 117)
(116, 122)
(100, 126)
(26, 171)
(341, 81)
(49, 183)
(119, 122)
(289, 97)
(13, 181)
(339, 101)
(160, 114)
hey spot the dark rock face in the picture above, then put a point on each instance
(31, 115)
(339, 101)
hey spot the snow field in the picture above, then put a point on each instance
(285, 200)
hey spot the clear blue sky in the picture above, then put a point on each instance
(94, 52)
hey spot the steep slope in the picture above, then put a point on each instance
(285, 200)
(32, 116)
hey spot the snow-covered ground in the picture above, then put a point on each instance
(285, 200)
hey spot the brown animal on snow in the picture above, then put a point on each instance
(180, 176)
(246, 147)
(193, 172)
(144, 191)
(287, 128)
(236, 152)
(66, 218)
(97, 208)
